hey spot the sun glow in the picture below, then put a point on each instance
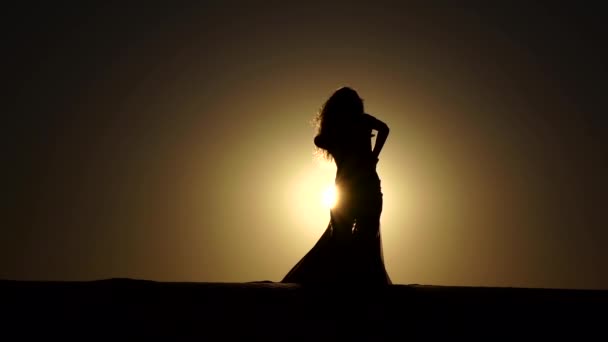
(330, 197)
(309, 196)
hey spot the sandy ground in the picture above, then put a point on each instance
(117, 308)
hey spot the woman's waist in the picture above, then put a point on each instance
(363, 179)
(350, 189)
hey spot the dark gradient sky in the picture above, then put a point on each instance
(175, 144)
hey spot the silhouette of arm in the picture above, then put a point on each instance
(383, 131)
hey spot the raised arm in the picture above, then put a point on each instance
(383, 131)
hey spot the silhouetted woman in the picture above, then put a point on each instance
(350, 250)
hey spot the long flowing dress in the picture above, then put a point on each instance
(350, 249)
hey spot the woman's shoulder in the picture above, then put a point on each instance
(368, 119)
(367, 116)
(373, 122)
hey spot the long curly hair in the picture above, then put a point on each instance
(336, 114)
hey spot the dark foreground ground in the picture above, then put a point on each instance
(124, 308)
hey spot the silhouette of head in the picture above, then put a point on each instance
(342, 108)
(344, 102)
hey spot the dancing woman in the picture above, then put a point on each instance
(350, 250)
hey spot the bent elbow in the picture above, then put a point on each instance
(384, 129)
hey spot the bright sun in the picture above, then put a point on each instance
(330, 197)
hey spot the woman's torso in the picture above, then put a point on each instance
(356, 165)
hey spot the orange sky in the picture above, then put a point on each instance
(176, 144)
